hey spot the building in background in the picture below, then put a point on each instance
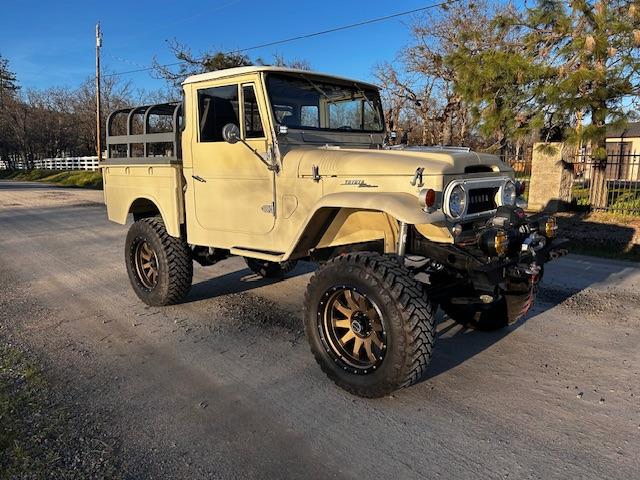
(623, 152)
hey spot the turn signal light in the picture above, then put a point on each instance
(427, 198)
(551, 227)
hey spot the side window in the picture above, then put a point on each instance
(217, 106)
(252, 121)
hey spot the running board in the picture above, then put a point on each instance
(270, 257)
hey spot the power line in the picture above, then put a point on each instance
(305, 36)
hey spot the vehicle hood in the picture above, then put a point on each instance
(341, 162)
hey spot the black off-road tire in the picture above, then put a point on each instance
(174, 263)
(510, 308)
(407, 314)
(270, 269)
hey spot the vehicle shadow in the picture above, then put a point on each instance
(564, 278)
(239, 281)
(455, 344)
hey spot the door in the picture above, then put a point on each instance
(233, 189)
(618, 160)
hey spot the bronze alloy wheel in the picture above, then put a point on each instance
(159, 266)
(352, 329)
(146, 263)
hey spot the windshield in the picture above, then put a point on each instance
(304, 102)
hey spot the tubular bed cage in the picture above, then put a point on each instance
(145, 132)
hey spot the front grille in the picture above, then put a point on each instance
(482, 200)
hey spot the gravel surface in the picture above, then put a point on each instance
(223, 386)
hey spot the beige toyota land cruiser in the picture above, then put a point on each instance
(279, 165)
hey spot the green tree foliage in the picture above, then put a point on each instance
(591, 53)
(8, 94)
(498, 79)
(550, 66)
(8, 83)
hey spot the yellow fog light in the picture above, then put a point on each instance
(495, 243)
(501, 243)
(550, 227)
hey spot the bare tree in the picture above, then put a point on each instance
(189, 63)
(421, 91)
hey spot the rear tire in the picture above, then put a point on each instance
(369, 324)
(160, 267)
(270, 269)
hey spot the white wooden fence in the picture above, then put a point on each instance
(67, 163)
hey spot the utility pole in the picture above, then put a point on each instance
(98, 121)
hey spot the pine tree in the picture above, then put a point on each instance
(8, 83)
(8, 100)
(591, 50)
(499, 79)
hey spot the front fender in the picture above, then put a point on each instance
(334, 220)
(404, 207)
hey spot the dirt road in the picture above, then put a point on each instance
(223, 386)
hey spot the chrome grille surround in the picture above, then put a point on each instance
(471, 184)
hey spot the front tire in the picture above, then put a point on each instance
(160, 267)
(369, 325)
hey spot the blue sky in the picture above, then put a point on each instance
(52, 43)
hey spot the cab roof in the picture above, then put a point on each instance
(231, 72)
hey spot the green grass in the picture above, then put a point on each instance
(580, 195)
(41, 438)
(75, 178)
(22, 401)
(626, 201)
(620, 200)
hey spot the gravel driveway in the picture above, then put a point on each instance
(224, 386)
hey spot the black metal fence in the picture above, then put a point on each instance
(611, 185)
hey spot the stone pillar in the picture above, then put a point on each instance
(551, 178)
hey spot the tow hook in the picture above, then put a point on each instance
(533, 269)
(533, 243)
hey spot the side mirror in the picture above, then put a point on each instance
(231, 133)
(393, 134)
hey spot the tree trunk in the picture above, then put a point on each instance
(598, 192)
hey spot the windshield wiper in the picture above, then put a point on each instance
(364, 95)
(322, 92)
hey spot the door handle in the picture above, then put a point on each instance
(200, 179)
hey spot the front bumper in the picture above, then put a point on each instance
(466, 266)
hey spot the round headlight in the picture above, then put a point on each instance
(509, 193)
(457, 201)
